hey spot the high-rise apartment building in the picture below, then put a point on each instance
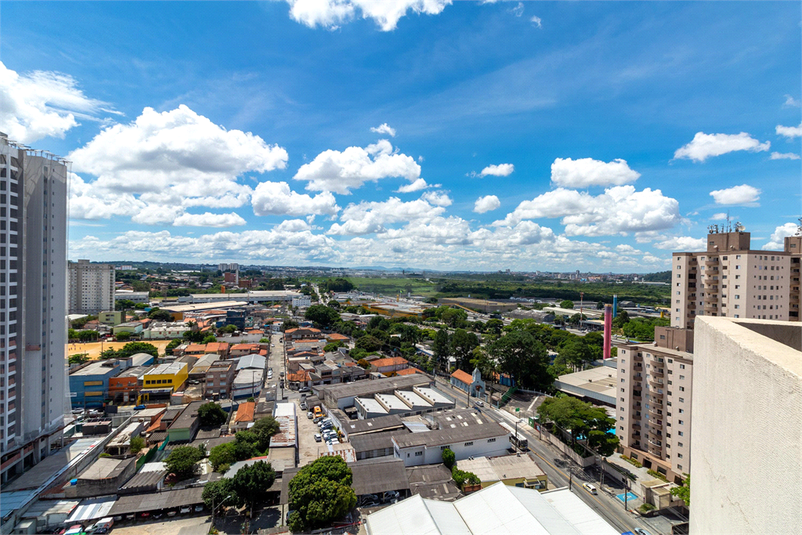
(747, 426)
(33, 272)
(91, 287)
(654, 401)
(730, 279)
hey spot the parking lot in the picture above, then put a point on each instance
(308, 449)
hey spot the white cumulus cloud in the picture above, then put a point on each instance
(784, 156)
(371, 217)
(331, 14)
(681, 244)
(586, 172)
(164, 163)
(487, 203)
(777, 240)
(437, 198)
(537, 22)
(721, 216)
(42, 104)
(208, 219)
(276, 198)
(340, 172)
(619, 210)
(504, 169)
(743, 194)
(384, 128)
(791, 102)
(789, 131)
(704, 146)
(418, 185)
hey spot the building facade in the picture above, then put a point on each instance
(654, 402)
(220, 378)
(747, 421)
(729, 279)
(33, 273)
(91, 287)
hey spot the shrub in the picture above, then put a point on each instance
(646, 507)
(658, 475)
(448, 458)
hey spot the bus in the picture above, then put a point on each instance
(518, 439)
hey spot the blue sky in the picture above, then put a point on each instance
(415, 133)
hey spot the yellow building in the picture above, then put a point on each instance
(164, 376)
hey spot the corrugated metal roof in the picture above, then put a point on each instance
(157, 501)
(91, 509)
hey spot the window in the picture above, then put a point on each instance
(682, 389)
(682, 411)
(681, 366)
(417, 454)
(681, 433)
(679, 455)
(679, 444)
(681, 377)
(491, 440)
(682, 400)
(468, 444)
(682, 422)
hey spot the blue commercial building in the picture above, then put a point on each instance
(89, 386)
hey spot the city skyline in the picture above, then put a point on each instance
(599, 137)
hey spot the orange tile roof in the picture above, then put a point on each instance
(214, 347)
(465, 377)
(337, 336)
(155, 425)
(407, 371)
(248, 347)
(300, 376)
(392, 361)
(245, 412)
(195, 347)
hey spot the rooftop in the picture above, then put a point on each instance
(599, 383)
(172, 368)
(367, 388)
(188, 416)
(375, 476)
(501, 468)
(251, 362)
(100, 367)
(392, 402)
(105, 468)
(374, 441)
(443, 437)
(373, 425)
(465, 377)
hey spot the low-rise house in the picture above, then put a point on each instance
(251, 362)
(389, 365)
(220, 378)
(220, 348)
(513, 470)
(126, 386)
(470, 441)
(102, 477)
(184, 428)
(198, 372)
(131, 327)
(165, 376)
(247, 383)
(113, 317)
(240, 350)
(120, 445)
(469, 383)
(165, 330)
(302, 333)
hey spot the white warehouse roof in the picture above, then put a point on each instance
(494, 510)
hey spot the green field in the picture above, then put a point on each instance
(497, 288)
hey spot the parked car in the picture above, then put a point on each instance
(77, 529)
(172, 512)
(144, 515)
(310, 415)
(641, 531)
(305, 389)
(318, 438)
(130, 517)
(391, 494)
(480, 403)
(590, 488)
(185, 509)
(158, 515)
(199, 508)
(304, 406)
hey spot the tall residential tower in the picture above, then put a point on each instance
(730, 279)
(91, 287)
(33, 272)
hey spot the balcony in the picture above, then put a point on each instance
(655, 413)
(656, 383)
(658, 397)
(657, 372)
(713, 261)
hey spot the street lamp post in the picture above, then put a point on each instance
(218, 505)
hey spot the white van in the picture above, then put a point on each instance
(590, 488)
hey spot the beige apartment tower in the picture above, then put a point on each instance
(91, 287)
(730, 279)
(654, 401)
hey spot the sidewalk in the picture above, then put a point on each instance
(641, 474)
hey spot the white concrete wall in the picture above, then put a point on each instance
(747, 429)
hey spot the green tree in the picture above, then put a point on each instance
(182, 461)
(78, 358)
(364, 364)
(462, 478)
(122, 336)
(319, 493)
(567, 303)
(222, 455)
(524, 358)
(87, 336)
(480, 359)
(215, 492)
(322, 315)
(454, 317)
(132, 348)
(137, 444)
(369, 343)
(209, 339)
(212, 415)
(245, 445)
(576, 353)
(440, 346)
(333, 304)
(251, 483)
(581, 419)
(448, 458)
(333, 346)
(174, 343)
(494, 326)
(462, 345)
(160, 315)
(683, 492)
(263, 429)
(231, 329)
(124, 304)
(621, 319)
